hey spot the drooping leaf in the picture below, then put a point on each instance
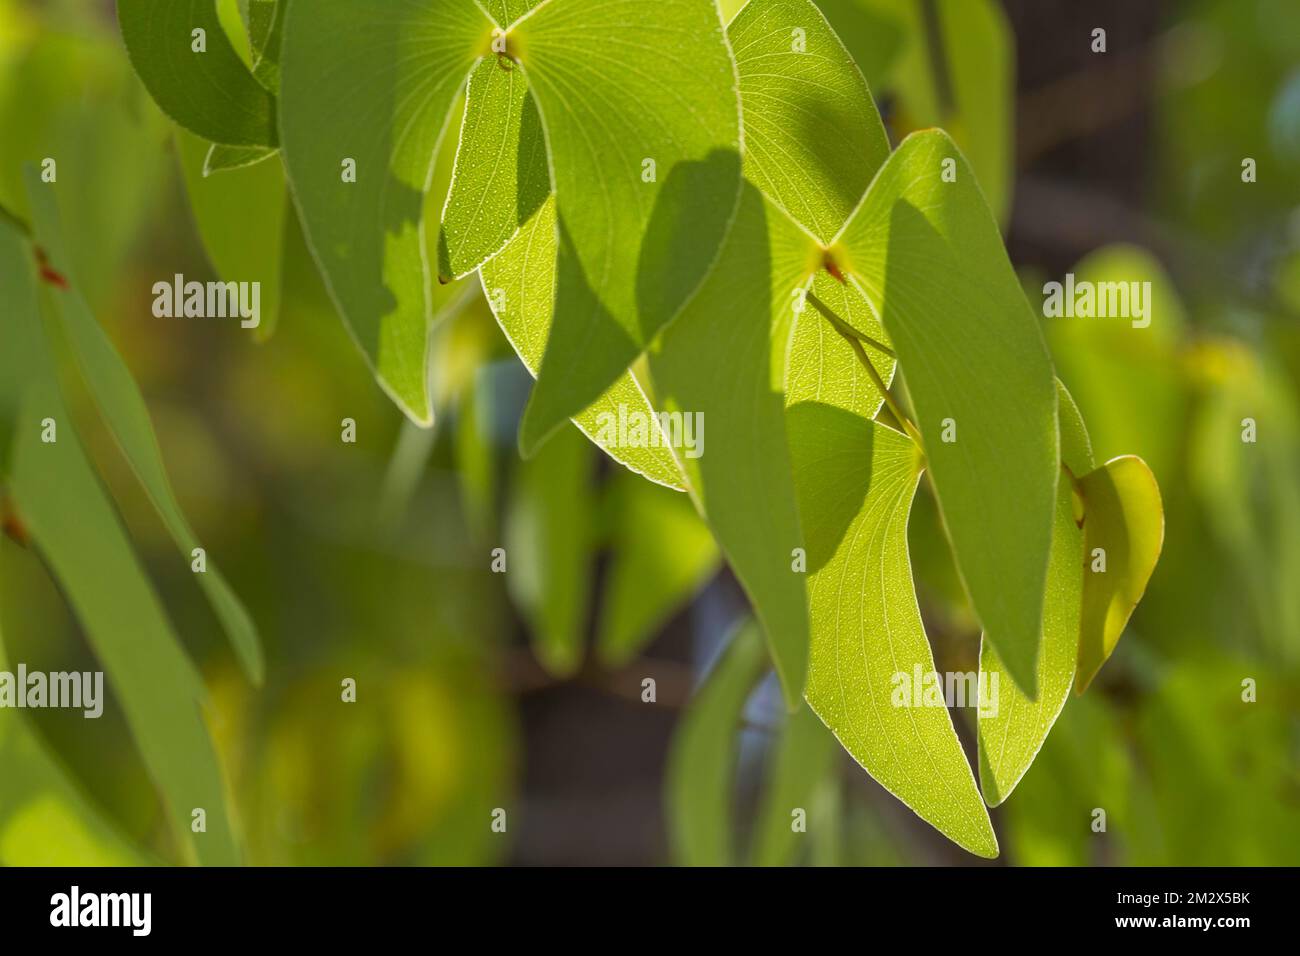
(519, 284)
(1014, 728)
(1124, 518)
(500, 178)
(856, 480)
(372, 84)
(813, 138)
(927, 255)
(210, 93)
(643, 129)
(549, 547)
(723, 359)
(803, 761)
(240, 218)
(662, 553)
(73, 525)
(702, 759)
(123, 408)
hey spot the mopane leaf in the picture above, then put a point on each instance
(500, 177)
(802, 761)
(821, 366)
(548, 545)
(856, 480)
(211, 93)
(1013, 729)
(813, 138)
(927, 255)
(123, 407)
(702, 760)
(642, 120)
(1124, 520)
(662, 553)
(75, 528)
(367, 88)
(519, 284)
(719, 361)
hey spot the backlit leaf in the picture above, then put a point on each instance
(718, 360)
(1011, 733)
(927, 255)
(856, 480)
(1122, 516)
(642, 121)
(372, 83)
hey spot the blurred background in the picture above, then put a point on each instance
(372, 560)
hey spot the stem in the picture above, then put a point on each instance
(855, 340)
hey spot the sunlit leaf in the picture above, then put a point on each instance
(519, 284)
(500, 178)
(372, 84)
(813, 139)
(1013, 730)
(210, 93)
(927, 255)
(702, 759)
(856, 480)
(1124, 520)
(643, 129)
(723, 360)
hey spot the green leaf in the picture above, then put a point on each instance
(718, 361)
(505, 12)
(856, 481)
(519, 284)
(374, 83)
(221, 158)
(928, 257)
(123, 407)
(1123, 516)
(501, 177)
(1013, 730)
(702, 757)
(821, 365)
(210, 93)
(76, 529)
(631, 251)
(662, 554)
(548, 547)
(813, 138)
(240, 218)
(265, 23)
(803, 762)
